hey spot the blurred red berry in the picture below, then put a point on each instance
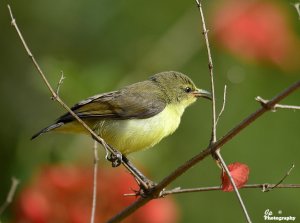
(239, 172)
(34, 206)
(158, 211)
(256, 30)
(64, 195)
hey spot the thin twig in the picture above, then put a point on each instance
(203, 154)
(264, 102)
(221, 162)
(210, 67)
(214, 119)
(224, 103)
(264, 187)
(60, 82)
(282, 179)
(96, 161)
(14, 24)
(293, 107)
(14, 184)
(55, 96)
(224, 166)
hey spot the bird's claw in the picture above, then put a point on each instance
(115, 159)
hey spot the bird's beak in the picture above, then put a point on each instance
(202, 93)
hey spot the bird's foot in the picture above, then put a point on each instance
(115, 159)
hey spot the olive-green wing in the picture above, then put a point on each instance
(137, 101)
(118, 105)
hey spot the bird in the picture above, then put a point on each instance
(137, 116)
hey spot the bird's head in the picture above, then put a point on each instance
(179, 88)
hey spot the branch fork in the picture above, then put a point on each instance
(266, 104)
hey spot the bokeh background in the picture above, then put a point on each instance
(103, 45)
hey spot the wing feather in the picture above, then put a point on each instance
(137, 101)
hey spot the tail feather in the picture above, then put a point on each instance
(47, 129)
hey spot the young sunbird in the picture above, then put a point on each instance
(137, 116)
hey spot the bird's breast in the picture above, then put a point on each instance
(138, 134)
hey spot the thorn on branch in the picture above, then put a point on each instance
(205, 32)
(265, 103)
(135, 193)
(264, 186)
(13, 22)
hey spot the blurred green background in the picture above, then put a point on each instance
(103, 45)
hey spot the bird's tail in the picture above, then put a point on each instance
(47, 129)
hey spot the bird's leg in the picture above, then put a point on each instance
(117, 158)
(112, 155)
(145, 184)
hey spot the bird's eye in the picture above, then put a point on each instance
(187, 89)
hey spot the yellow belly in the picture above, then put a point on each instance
(138, 134)
(132, 135)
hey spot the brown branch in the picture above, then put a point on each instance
(142, 201)
(143, 181)
(264, 102)
(14, 184)
(266, 187)
(252, 117)
(206, 152)
(218, 155)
